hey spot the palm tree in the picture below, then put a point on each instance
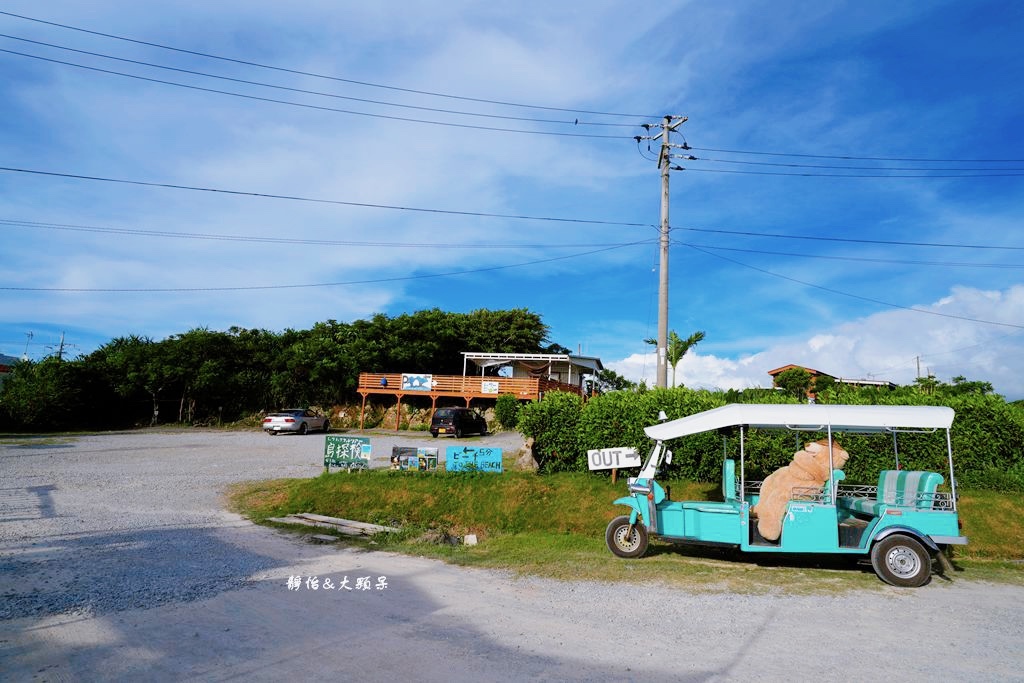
(677, 348)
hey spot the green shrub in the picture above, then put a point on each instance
(552, 422)
(987, 435)
(506, 409)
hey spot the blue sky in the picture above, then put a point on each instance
(913, 108)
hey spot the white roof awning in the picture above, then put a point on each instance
(485, 360)
(806, 417)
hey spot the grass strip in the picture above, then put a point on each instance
(554, 525)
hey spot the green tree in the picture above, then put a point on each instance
(137, 368)
(961, 385)
(823, 383)
(609, 380)
(52, 394)
(927, 385)
(795, 381)
(677, 348)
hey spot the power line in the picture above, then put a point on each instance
(855, 158)
(304, 241)
(860, 259)
(855, 296)
(861, 168)
(481, 214)
(338, 202)
(134, 290)
(243, 81)
(296, 240)
(313, 106)
(848, 157)
(322, 76)
(850, 240)
(996, 174)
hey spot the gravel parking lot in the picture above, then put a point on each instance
(118, 561)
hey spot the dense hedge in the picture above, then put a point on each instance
(987, 435)
(506, 409)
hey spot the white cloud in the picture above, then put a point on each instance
(886, 346)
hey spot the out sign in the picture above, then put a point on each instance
(612, 458)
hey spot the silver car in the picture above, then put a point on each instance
(298, 420)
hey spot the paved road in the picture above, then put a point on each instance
(118, 562)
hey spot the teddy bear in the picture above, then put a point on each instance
(809, 469)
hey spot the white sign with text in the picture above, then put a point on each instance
(613, 458)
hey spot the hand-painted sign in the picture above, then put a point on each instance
(489, 387)
(350, 452)
(613, 458)
(468, 459)
(416, 382)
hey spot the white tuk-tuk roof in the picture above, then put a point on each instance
(807, 417)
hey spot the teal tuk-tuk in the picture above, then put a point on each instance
(901, 524)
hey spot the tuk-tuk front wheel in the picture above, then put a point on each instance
(625, 540)
(901, 561)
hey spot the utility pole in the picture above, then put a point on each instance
(668, 126)
(60, 347)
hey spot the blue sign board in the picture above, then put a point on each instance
(416, 382)
(470, 459)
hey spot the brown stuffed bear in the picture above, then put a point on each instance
(809, 469)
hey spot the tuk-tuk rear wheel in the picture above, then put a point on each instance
(901, 560)
(624, 539)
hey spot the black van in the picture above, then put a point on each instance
(457, 421)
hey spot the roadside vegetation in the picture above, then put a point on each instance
(552, 523)
(987, 433)
(209, 377)
(554, 526)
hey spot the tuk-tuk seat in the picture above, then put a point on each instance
(897, 488)
(837, 476)
(729, 480)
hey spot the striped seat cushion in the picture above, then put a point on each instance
(899, 488)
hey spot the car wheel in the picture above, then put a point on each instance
(458, 432)
(433, 434)
(302, 428)
(623, 541)
(272, 433)
(327, 426)
(901, 561)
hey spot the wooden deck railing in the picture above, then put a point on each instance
(468, 386)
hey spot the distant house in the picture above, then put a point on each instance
(7, 364)
(556, 367)
(815, 374)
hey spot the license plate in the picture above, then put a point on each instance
(442, 430)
